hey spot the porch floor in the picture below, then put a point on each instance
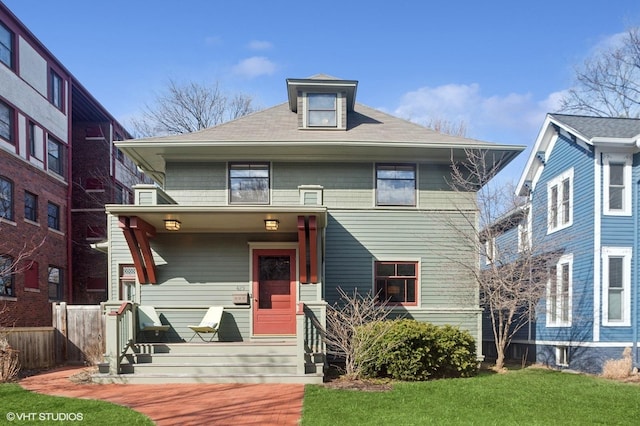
(184, 404)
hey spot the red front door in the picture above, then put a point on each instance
(274, 291)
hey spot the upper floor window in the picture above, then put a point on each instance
(6, 122)
(395, 185)
(6, 275)
(617, 185)
(56, 89)
(616, 275)
(322, 109)
(55, 156)
(6, 46)
(560, 201)
(30, 206)
(6, 198)
(397, 282)
(53, 216)
(249, 183)
(559, 290)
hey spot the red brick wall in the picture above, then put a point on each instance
(31, 307)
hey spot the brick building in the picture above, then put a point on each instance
(58, 167)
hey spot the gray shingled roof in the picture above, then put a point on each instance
(600, 127)
(279, 124)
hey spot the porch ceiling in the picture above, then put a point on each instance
(221, 219)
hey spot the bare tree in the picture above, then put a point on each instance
(343, 320)
(447, 127)
(511, 278)
(608, 83)
(189, 107)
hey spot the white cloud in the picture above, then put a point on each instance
(513, 118)
(260, 45)
(254, 67)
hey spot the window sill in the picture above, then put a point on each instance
(558, 325)
(9, 298)
(32, 290)
(559, 228)
(616, 213)
(56, 231)
(31, 222)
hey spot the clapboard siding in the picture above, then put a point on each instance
(197, 183)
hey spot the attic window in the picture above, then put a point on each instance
(322, 109)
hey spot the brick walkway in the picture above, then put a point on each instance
(185, 404)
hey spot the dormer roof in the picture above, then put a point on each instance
(321, 83)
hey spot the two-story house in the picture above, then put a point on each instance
(582, 182)
(270, 214)
(58, 167)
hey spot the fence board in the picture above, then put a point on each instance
(35, 346)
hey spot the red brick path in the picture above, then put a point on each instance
(185, 404)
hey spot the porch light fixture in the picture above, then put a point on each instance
(172, 224)
(271, 224)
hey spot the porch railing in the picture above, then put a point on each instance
(310, 337)
(120, 332)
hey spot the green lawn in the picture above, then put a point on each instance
(21, 407)
(528, 397)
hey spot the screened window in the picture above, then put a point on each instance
(559, 289)
(395, 185)
(397, 282)
(54, 279)
(322, 109)
(560, 202)
(6, 198)
(56, 88)
(53, 216)
(6, 122)
(249, 183)
(6, 46)
(30, 206)
(55, 156)
(6, 276)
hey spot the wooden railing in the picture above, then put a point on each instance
(311, 318)
(120, 332)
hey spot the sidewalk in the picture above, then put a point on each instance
(185, 404)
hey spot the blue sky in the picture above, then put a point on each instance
(499, 66)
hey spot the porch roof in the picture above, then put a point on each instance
(221, 219)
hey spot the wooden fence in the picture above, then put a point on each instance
(77, 337)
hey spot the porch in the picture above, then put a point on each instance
(299, 358)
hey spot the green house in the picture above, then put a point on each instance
(268, 216)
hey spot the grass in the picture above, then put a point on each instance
(19, 403)
(529, 396)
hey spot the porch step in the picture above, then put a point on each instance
(215, 362)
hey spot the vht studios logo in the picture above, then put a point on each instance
(52, 417)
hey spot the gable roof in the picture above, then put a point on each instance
(273, 135)
(588, 130)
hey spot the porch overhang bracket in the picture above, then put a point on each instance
(302, 249)
(137, 233)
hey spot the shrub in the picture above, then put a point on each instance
(9, 364)
(618, 368)
(412, 350)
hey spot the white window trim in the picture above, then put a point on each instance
(625, 253)
(557, 181)
(567, 259)
(525, 227)
(626, 194)
(562, 352)
(489, 251)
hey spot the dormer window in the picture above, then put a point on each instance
(322, 109)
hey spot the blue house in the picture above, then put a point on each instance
(582, 181)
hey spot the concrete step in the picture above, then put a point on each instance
(217, 348)
(157, 378)
(233, 368)
(186, 357)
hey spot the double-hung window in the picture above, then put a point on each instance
(560, 202)
(617, 185)
(395, 185)
(55, 157)
(322, 109)
(559, 292)
(55, 281)
(6, 122)
(6, 46)
(616, 276)
(6, 198)
(30, 206)
(6, 275)
(249, 183)
(53, 216)
(56, 89)
(396, 282)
